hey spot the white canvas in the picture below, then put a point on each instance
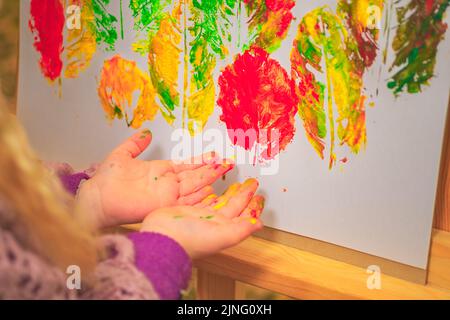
(381, 202)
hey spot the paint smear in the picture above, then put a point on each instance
(269, 22)
(106, 24)
(147, 15)
(164, 61)
(419, 32)
(47, 23)
(311, 93)
(81, 42)
(323, 39)
(210, 32)
(120, 83)
(258, 98)
(363, 19)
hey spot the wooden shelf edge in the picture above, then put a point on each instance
(303, 275)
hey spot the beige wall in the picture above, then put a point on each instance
(9, 21)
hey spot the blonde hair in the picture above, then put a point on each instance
(39, 202)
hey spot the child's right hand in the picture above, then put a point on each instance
(213, 225)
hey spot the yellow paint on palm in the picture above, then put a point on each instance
(120, 81)
(81, 39)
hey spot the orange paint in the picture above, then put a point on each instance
(120, 80)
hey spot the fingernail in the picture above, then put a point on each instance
(262, 203)
(249, 183)
(209, 157)
(145, 133)
(228, 161)
(227, 166)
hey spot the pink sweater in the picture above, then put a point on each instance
(140, 266)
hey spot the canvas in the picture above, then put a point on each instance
(337, 106)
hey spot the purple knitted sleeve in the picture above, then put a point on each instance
(71, 182)
(163, 261)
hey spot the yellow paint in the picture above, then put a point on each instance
(248, 183)
(140, 46)
(220, 205)
(310, 22)
(361, 12)
(82, 43)
(120, 80)
(200, 105)
(232, 190)
(164, 58)
(210, 197)
(253, 221)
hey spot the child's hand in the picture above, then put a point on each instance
(125, 190)
(213, 225)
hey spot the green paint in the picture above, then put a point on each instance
(164, 91)
(268, 25)
(148, 14)
(145, 133)
(207, 217)
(323, 40)
(118, 112)
(106, 29)
(121, 20)
(210, 32)
(415, 44)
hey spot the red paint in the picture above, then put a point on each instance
(47, 23)
(282, 8)
(429, 4)
(257, 94)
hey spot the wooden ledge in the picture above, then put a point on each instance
(303, 275)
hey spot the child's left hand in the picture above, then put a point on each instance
(125, 190)
(212, 225)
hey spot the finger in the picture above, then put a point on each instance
(225, 197)
(196, 197)
(134, 145)
(254, 208)
(238, 202)
(207, 201)
(196, 162)
(192, 181)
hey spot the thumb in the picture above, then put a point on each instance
(135, 145)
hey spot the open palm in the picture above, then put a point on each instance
(212, 225)
(125, 189)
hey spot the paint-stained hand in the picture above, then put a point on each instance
(213, 225)
(125, 190)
